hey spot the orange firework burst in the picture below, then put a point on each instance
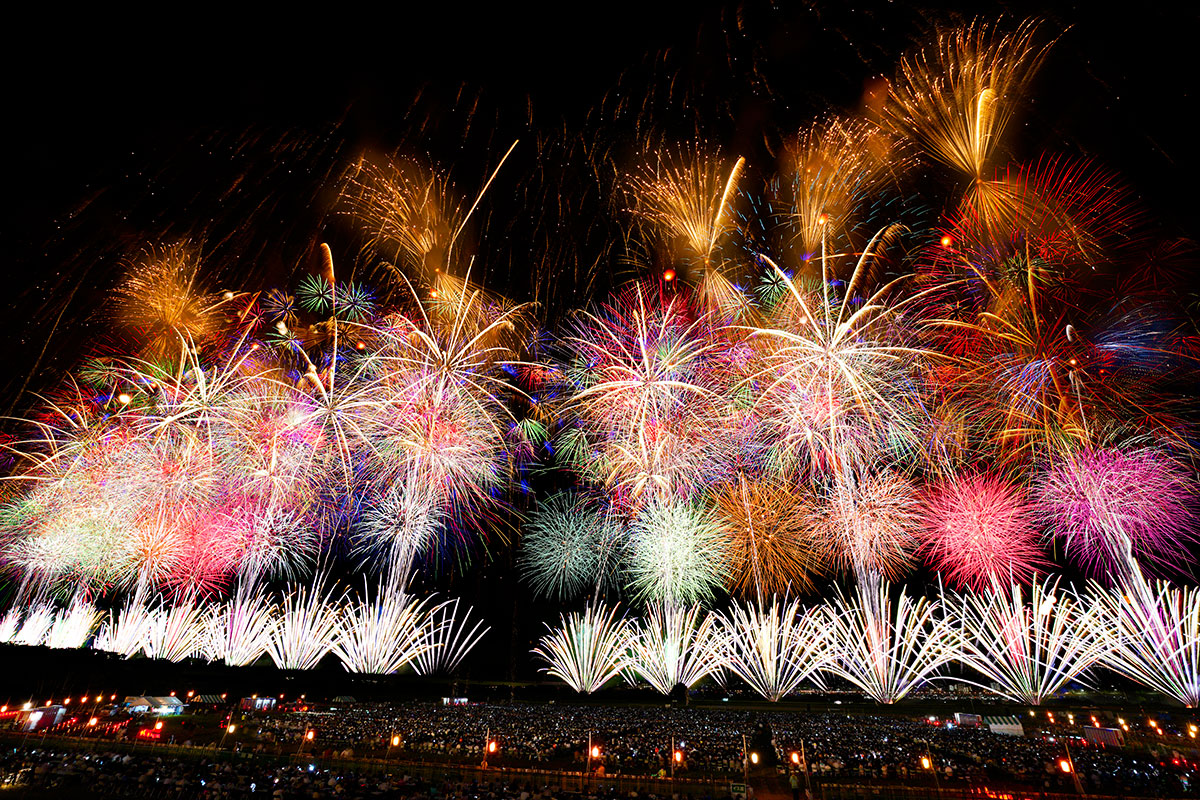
(957, 97)
(772, 539)
(162, 303)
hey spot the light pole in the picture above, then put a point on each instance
(807, 778)
(1069, 766)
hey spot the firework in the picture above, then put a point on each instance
(382, 635)
(450, 638)
(1152, 635)
(1032, 648)
(303, 631)
(39, 618)
(10, 623)
(238, 632)
(977, 529)
(1113, 506)
(836, 378)
(833, 168)
(74, 625)
(888, 649)
(775, 648)
(647, 396)
(773, 543)
(690, 201)
(406, 211)
(163, 302)
(676, 553)
(874, 523)
(674, 646)
(586, 650)
(957, 97)
(568, 545)
(174, 631)
(125, 630)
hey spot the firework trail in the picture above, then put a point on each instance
(587, 649)
(303, 631)
(125, 630)
(888, 649)
(775, 648)
(10, 623)
(38, 621)
(174, 631)
(238, 631)
(383, 635)
(1030, 648)
(450, 638)
(73, 625)
(674, 646)
(1153, 637)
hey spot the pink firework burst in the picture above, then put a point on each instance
(1111, 505)
(977, 528)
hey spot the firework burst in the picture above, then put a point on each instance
(677, 554)
(977, 529)
(1113, 506)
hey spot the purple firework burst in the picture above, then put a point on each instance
(1097, 500)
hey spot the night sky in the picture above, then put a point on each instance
(229, 129)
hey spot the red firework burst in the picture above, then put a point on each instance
(977, 528)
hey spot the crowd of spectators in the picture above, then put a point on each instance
(47, 772)
(642, 740)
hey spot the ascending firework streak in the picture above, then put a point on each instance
(304, 630)
(449, 638)
(674, 646)
(1153, 637)
(1030, 650)
(385, 634)
(37, 623)
(887, 649)
(587, 649)
(10, 623)
(776, 647)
